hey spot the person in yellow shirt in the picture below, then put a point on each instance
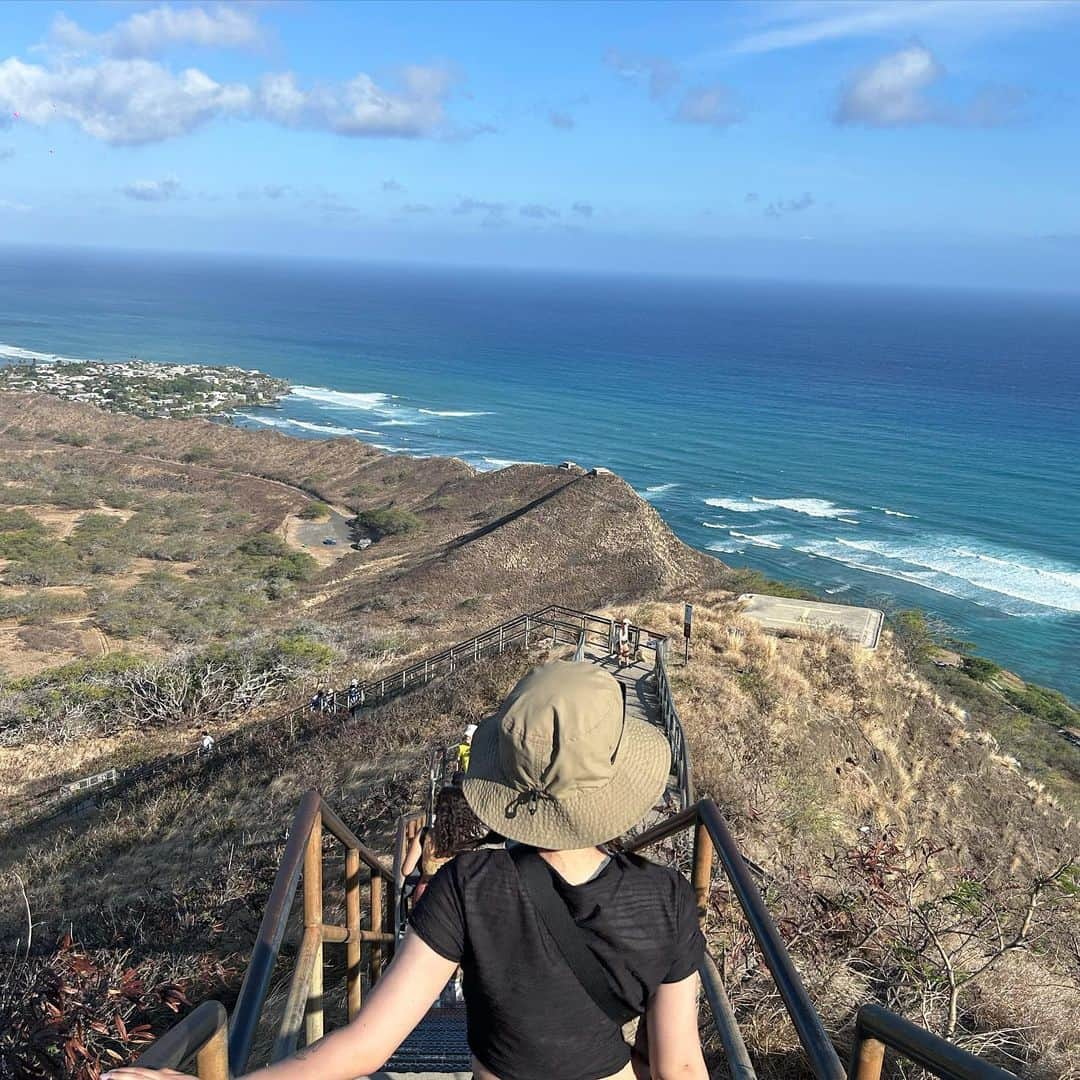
(463, 749)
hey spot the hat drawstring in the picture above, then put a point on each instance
(531, 799)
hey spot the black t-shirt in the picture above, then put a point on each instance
(528, 1016)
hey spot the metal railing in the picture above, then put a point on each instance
(305, 1004)
(711, 835)
(877, 1028)
(556, 624)
(680, 755)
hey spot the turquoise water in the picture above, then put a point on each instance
(886, 446)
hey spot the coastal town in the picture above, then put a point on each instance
(147, 389)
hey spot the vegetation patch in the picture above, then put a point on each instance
(389, 522)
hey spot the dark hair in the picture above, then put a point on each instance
(456, 827)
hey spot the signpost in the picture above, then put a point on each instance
(687, 626)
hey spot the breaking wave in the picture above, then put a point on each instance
(451, 412)
(818, 508)
(892, 513)
(759, 540)
(373, 402)
(957, 567)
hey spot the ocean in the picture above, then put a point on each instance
(885, 446)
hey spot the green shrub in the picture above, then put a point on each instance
(197, 454)
(1046, 704)
(72, 438)
(264, 544)
(979, 668)
(389, 522)
(19, 521)
(315, 511)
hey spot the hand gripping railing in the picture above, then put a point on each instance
(304, 1005)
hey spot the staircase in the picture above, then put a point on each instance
(219, 1047)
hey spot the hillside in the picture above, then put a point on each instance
(896, 835)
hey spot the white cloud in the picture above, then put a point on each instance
(709, 105)
(124, 102)
(15, 207)
(359, 107)
(659, 73)
(129, 102)
(147, 33)
(891, 92)
(804, 23)
(152, 190)
(894, 92)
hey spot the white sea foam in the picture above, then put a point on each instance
(759, 540)
(304, 425)
(736, 506)
(373, 402)
(451, 412)
(504, 463)
(959, 567)
(15, 352)
(818, 508)
(848, 521)
(892, 513)
(724, 545)
(715, 524)
(655, 491)
(397, 422)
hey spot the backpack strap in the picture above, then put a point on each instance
(535, 878)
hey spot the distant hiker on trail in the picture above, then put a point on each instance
(319, 700)
(354, 694)
(206, 745)
(463, 749)
(624, 643)
(561, 938)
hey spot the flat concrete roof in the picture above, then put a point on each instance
(783, 615)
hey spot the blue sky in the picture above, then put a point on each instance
(904, 141)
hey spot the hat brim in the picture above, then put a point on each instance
(584, 818)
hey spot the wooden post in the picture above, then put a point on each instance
(212, 1062)
(871, 1056)
(701, 878)
(376, 925)
(313, 918)
(353, 988)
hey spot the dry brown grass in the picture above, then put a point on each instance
(840, 769)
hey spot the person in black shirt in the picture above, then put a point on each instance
(559, 770)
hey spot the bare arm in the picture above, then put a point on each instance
(396, 1005)
(674, 1043)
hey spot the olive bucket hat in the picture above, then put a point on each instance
(560, 765)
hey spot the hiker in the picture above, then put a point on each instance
(624, 643)
(463, 749)
(206, 744)
(354, 693)
(318, 700)
(455, 829)
(560, 770)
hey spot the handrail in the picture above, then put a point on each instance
(876, 1028)
(201, 1035)
(680, 754)
(521, 629)
(711, 834)
(303, 852)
